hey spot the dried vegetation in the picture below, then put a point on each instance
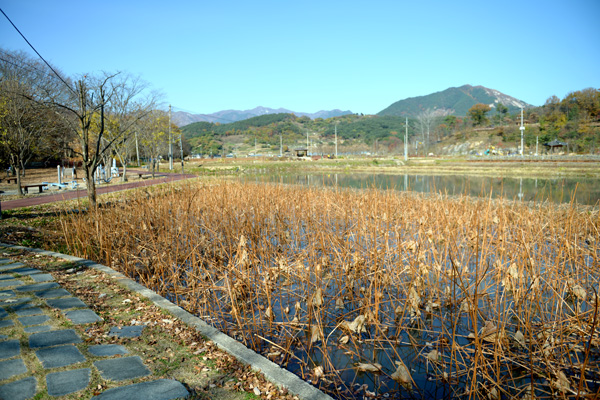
(373, 293)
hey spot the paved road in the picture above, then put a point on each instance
(74, 194)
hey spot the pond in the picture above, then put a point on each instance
(374, 294)
(584, 191)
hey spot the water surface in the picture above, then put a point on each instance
(583, 191)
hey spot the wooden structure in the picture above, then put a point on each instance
(301, 152)
(554, 144)
(32, 185)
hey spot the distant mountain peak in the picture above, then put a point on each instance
(182, 118)
(454, 100)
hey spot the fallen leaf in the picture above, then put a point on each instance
(520, 338)
(433, 356)
(369, 367)
(317, 299)
(314, 334)
(402, 376)
(318, 372)
(357, 326)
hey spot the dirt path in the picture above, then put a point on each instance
(74, 194)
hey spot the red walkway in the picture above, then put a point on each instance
(74, 194)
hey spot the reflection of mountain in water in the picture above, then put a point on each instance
(584, 191)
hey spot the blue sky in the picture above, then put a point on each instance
(307, 56)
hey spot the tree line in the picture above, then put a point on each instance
(88, 119)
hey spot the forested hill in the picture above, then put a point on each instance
(209, 137)
(453, 101)
(239, 127)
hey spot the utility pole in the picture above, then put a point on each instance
(170, 142)
(336, 124)
(307, 143)
(522, 128)
(181, 150)
(280, 144)
(406, 140)
(137, 149)
(536, 145)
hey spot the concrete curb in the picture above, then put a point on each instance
(269, 369)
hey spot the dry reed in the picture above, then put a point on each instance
(373, 293)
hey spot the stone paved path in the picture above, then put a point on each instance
(28, 299)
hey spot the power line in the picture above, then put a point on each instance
(29, 67)
(36, 52)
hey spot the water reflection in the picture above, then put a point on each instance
(558, 190)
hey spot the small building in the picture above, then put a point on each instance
(554, 144)
(301, 152)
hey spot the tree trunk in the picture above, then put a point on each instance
(124, 177)
(91, 186)
(17, 168)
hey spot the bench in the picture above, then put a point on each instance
(11, 179)
(37, 185)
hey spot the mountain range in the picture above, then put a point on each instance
(182, 118)
(452, 101)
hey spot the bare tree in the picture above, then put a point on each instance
(425, 123)
(87, 111)
(26, 127)
(128, 106)
(154, 138)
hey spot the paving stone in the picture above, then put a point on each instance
(59, 356)
(107, 350)
(3, 337)
(5, 323)
(120, 369)
(52, 293)
(29, 311)
(7, 294)
(66, 303)
(5, 260)
(80, 317)
(19, 390)
(11, 282)
(10, 368)
(162, 389)
(34, 320)
(126, 331)
(10, 348)
(37, 328)
(26, 271)
(3, 313)
(4, 275)
(53, 338)
(42, 277)
(65, 382)
(35, 287)
(12, 266)
(16, 304)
